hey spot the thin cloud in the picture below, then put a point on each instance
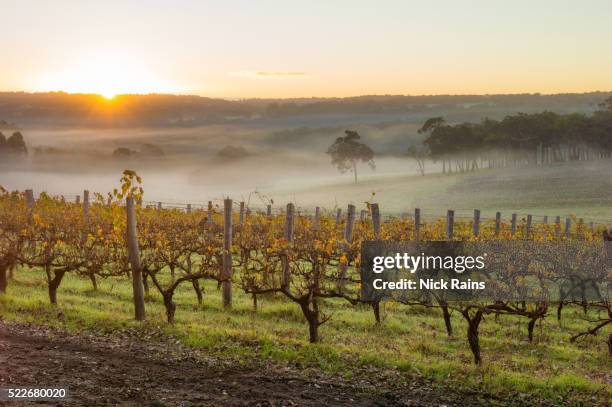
(269, 74)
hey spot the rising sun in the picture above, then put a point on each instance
(107, 76)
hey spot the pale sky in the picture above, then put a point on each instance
(237, 49)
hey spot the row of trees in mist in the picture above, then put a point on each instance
(516, 141)
(12, 146)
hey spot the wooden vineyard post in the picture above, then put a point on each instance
(568, 227)
(188, 208)
(78, 200)
(497, 223)
(375, 214)
(29, 195)
(210, 213)
(286, 277)
(348, 236)
(86, 204)
(317, 218)
(338, 216)
(476, 224)
(592, 227)
(375, 220)
(450, 223)
(29, 198)
(350, 221)
(557, 227)
(159, 206)
(269, 210)
(513, 225)
(226, 277)
(241, 217)
(528, 227)
(134, 258)
(362, 215)
(417, 224)
(545, 223)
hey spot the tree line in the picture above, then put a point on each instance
(517, 140)
(13, 145)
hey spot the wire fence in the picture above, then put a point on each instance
(387, 214)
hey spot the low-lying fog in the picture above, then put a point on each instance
(291, 165)
(192, 167)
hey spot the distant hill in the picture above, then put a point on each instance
(156, 110)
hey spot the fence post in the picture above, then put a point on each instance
(497, 223)
(417, 224)
(513, 225)
(188, 208)
(568, 227)
(86, 203)
(529, 220)
(29, 195)
(450, 223)
(592, 227)
(289, 237)
(375, 220)
(241, 219)
(350, 221)
(557, 226)
(227, 254)
(78, 200)
(29, 198)
(476, 224)
(348, 236)
(317, 217)
(338, 216)
(134, 257)
(269, 210)
(210, 213)
(159, 206)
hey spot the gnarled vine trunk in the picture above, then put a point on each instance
(376, 309)
(198, 290)
(3, 278)
(472, 333)
(170, 305)
(312, 317)
(54, 279)
(447, 318)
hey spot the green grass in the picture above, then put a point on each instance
(410, 339)
(577, 188)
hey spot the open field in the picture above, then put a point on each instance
(581, 189)
(411, 340)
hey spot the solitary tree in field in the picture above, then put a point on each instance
(347, 151)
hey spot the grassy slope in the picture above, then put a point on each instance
(581, 189)
(410, 339)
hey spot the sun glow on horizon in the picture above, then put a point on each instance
(107, 76)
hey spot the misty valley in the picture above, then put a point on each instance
(433, 156)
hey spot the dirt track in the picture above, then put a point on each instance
(111, 371)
